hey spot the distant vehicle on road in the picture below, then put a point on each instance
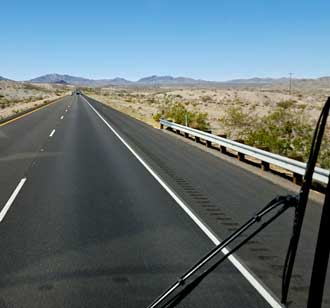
(76, 92)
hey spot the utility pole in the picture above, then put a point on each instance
(290, 87)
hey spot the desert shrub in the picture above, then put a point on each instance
(151, 101)
(177, 112)
(157, 116)
(237, 101)
(198, 120)
(30, 86)
(283, 133)
(236, 120)
(206, 98)
(302, 106)
(286, 104)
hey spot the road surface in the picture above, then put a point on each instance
(85, 224)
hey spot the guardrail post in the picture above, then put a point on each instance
(265, 166)
(177, 131)
(186, 135)
(208, 143)
(161, 126)
(197, 139)
(222, 148)
(297, 178)
(240, 156)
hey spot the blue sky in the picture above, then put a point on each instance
(209, 39)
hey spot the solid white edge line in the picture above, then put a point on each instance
(11, 199)
(52, 133)
(263, 290)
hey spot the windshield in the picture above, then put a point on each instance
(138, 136)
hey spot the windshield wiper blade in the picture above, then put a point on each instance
(284, 202)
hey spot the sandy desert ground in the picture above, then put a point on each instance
(19, 96)
(143, 103)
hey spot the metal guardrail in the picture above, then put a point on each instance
(297, 167)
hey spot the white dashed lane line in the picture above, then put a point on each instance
(10, 201)
(52, 133)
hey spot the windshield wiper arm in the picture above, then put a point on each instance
(284, 202)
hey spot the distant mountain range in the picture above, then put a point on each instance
(57, 78)
(169, 80)
(146, 81)
(151, 80)
(3, 78)
(173, 81)
(79, 81)
(256, 80)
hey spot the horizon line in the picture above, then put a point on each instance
(166, 75)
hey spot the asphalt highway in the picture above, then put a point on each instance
(92, 214)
